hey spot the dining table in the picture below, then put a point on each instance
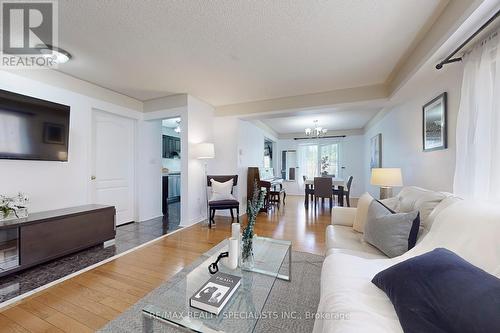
(337, 184)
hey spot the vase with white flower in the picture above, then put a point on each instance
(13, 207)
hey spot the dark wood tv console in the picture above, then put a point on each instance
(44, 236)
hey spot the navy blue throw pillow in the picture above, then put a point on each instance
(440, 292)
(412, 237)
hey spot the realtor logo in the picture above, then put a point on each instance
(27, 27)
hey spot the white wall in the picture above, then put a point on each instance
(239, 144)
(53, 185)
(152, 137)
(200, 118)
(401, 130)
(226, 146)
(250, 153)
(149, 170)
(351, 158)
(196, 126)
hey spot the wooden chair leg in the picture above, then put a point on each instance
(331, 202)
(238, 214)
(212, 216)
(347, 197)
(232, 215)
(284, 197)
(341, 199)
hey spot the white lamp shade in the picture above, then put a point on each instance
(204, 150)
(390, 177)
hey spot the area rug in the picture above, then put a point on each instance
(295, 301)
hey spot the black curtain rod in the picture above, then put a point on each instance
(449, 59)
(323, 137)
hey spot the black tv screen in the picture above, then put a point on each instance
(32, 128)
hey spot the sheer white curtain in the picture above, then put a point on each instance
(307, 160)
(477, 172)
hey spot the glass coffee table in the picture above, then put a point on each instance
(272, 260)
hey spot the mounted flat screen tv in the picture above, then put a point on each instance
(32, 128)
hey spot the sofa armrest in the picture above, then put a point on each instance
(343, 216)
(329, 237)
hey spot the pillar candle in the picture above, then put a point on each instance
(235, 230)
(232, 261)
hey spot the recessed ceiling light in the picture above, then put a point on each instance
(59, 55)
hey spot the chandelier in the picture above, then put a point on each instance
(316, 131)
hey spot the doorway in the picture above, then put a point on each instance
(171, 170)
(112, 165)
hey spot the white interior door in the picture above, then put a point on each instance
(113, 163)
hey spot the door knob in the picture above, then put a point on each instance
(92, 177)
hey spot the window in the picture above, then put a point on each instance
(329, 159)
(308, 161)
(268, 154)
(319, 159)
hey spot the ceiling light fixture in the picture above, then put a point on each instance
(316, 132)
(178, 128)
(59, 55)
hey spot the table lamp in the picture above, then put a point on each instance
(386, 178)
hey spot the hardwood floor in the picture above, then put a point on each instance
(88, 301)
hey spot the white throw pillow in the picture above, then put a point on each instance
(362, 212)
(221, 191)
(392, 203)
(414, 198)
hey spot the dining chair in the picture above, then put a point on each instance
(308, 191)
(345, 192)
(323, 188)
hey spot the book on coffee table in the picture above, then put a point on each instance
(215, 293)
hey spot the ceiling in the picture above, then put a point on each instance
(331, 119)
(227, 52)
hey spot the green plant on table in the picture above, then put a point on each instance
(253, 207)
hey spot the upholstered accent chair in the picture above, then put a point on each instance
(229, 204)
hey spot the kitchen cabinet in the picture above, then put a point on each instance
(174, 187)
(171, 146)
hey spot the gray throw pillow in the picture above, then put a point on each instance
(388, 231)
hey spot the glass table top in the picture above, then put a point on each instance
(244, 308)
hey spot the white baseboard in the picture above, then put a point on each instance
(109, 243)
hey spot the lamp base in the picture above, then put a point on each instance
(385, 193)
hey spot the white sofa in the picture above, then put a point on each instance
(351, 303)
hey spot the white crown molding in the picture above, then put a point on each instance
(65, 81)
(451, 17)
(165, 103)
(435, 32)
(458, 20)
(274, 135)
